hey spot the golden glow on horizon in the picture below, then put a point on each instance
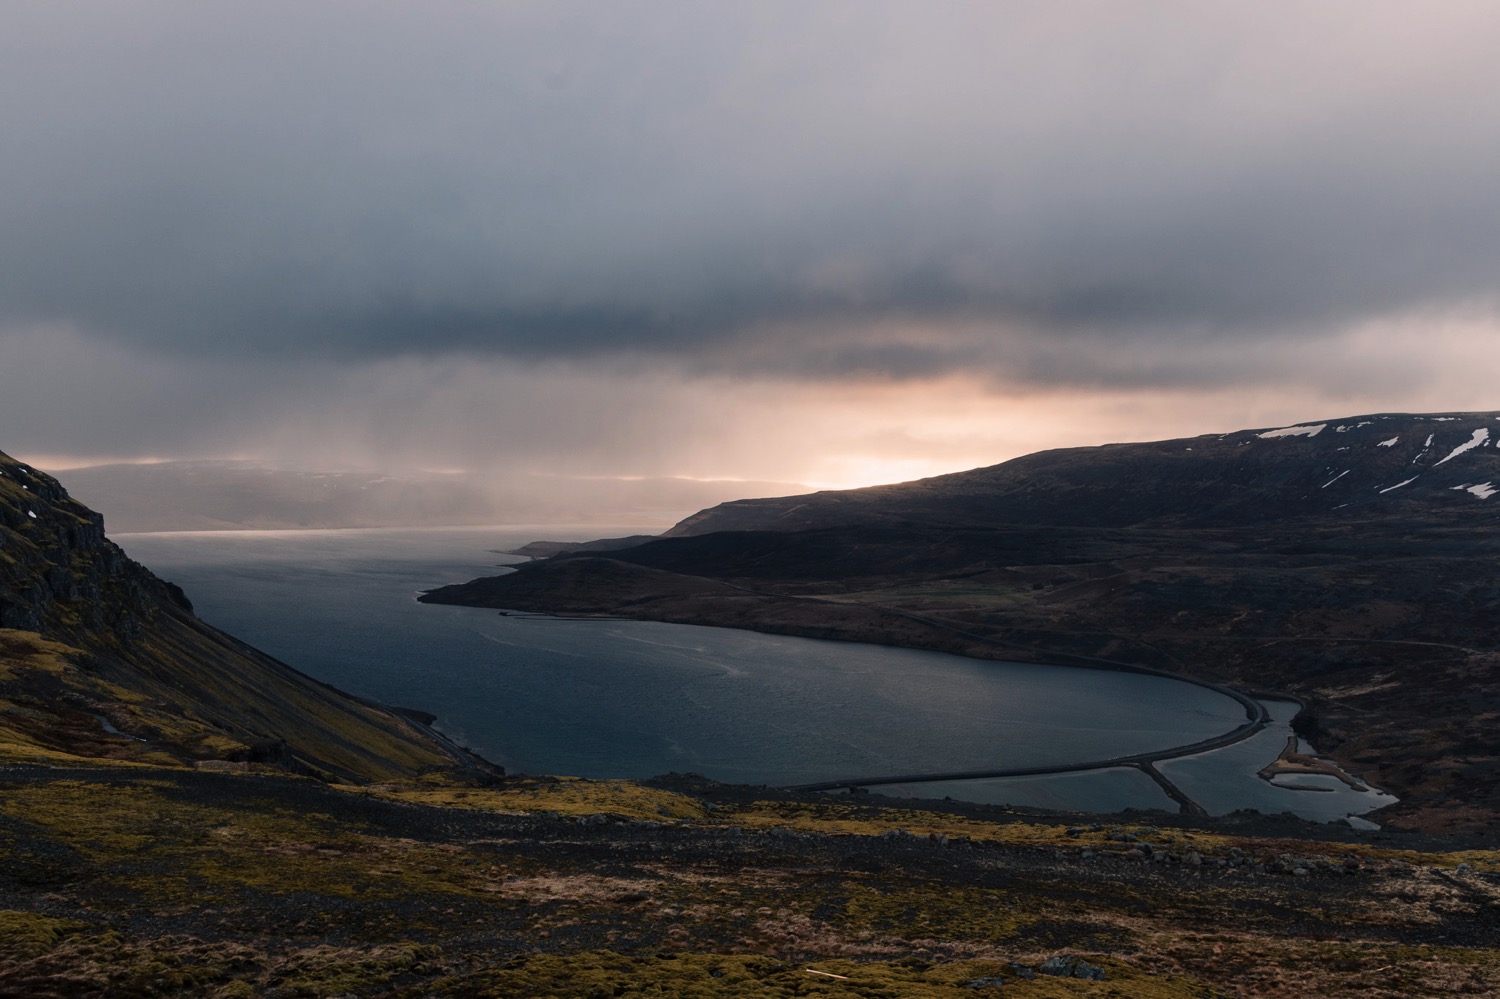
(859, 472)
(502, 422)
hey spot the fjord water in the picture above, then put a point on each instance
(636, 699)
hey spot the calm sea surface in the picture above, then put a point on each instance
(635, 699)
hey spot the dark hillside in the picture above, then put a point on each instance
(98, 657)
(1381, 465)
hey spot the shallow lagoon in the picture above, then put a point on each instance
(1224, 780)
(636, 699)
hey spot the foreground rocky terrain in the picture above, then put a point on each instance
(1349, 563)
(170, 881)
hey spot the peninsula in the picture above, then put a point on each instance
(1345, 562)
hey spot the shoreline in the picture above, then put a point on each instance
(1257, 717)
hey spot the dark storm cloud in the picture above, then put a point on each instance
(1056, 192)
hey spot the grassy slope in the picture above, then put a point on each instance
(198, 697)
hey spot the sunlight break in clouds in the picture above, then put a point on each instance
(500, 420)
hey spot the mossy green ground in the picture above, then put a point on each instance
(562, 795)
(572, 796)
(176, 882)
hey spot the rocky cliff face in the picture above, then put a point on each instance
(101, 659)
(60, 574)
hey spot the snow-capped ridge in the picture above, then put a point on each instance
(1378, 465)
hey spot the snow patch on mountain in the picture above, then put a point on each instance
(1302, 431)
(1480, 436)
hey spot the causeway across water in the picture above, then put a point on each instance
(1256, 719)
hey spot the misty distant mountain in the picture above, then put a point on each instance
(237, 495)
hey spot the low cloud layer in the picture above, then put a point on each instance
(265, 213)
(70, 400)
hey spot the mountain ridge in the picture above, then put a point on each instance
(1311, 468)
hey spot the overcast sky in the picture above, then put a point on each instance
(833, 243)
